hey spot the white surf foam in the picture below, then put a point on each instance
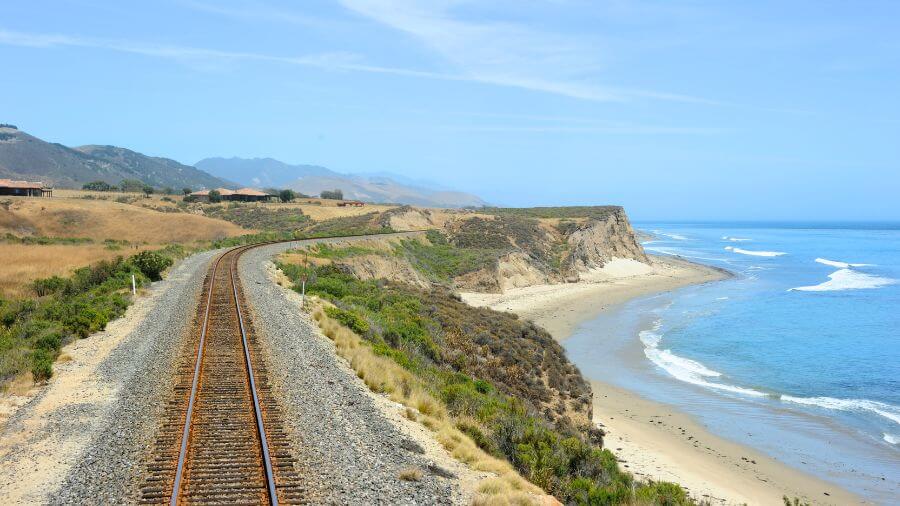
(885, 410)
(735, 239)
(891, 438)
(846, 279)
(677, 237)
(685, 369)
(755, 253)
(840, 265)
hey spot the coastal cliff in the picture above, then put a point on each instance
(599, 240)
(493, 253)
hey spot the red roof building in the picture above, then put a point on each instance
(24, 188)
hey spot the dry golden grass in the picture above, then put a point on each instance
(410, 474)
(23, 263)
(330, 210)
(105, 219)
(383, 375)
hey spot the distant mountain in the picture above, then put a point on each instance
(23, 156)
(260, 172)
(379, 187)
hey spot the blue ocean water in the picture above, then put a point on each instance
(797, 355)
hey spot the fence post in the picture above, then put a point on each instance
(133, 286)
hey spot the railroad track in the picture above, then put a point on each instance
(222, 438)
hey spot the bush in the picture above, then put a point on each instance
(41, 365)
(46, 286)
(186, 191)
(335, 194)
(215, 197)
(100, 186)
(287, 195)
(349, 319)
(151, 263)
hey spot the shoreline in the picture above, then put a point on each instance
(653, 440)
(562, 308)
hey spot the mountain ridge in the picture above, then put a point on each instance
(376, 187)
(25, 156)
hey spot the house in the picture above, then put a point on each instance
(242, 195)
(24, 188)
(352, 203)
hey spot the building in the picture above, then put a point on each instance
(242, 195)
(352, 203)
(24, 188)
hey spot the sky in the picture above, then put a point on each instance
(677, 110)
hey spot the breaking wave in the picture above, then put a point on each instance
(677, 237)
(882, 409)
(735, 239)
(846, 279)
(840, 265)
(685, 369)
(755, 253)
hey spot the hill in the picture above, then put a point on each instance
(312, 180)
(259, 172)
(24, 156)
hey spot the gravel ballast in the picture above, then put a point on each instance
(111, 468)
(351, 453)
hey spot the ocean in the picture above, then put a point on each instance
(798, 355)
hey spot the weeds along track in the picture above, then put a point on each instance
(221, 439)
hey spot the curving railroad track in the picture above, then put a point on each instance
(222, 438)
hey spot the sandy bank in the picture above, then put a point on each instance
(560, 308)
(654, 440)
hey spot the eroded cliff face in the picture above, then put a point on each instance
(597, 241)
(549, 251)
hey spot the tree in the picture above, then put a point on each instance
(186, 191)
(168, 190)
(148, 190)
(215, 196)
(132, 185)
(99, 186)
(286, 195)
(335, 194)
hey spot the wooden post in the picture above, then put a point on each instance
(133, 286)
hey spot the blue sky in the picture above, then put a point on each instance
(674, 109)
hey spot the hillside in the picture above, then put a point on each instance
(24, 156)
(312, 180)
(259, 172)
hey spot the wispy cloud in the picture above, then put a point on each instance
(501, 65)
(507, 54)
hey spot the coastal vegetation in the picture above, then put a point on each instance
(500, 387)
(33, 330)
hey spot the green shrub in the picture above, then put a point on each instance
(41, 364)
(151, 263)
(46, 286)
(349, 319)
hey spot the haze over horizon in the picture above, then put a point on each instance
(675, 110)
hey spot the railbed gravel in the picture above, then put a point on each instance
(141, 368)
(351, 453)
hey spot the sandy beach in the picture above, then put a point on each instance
(654, 440)
(560, 308)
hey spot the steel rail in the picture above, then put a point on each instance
(260, 426)
(264, 445)
(185, 434)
